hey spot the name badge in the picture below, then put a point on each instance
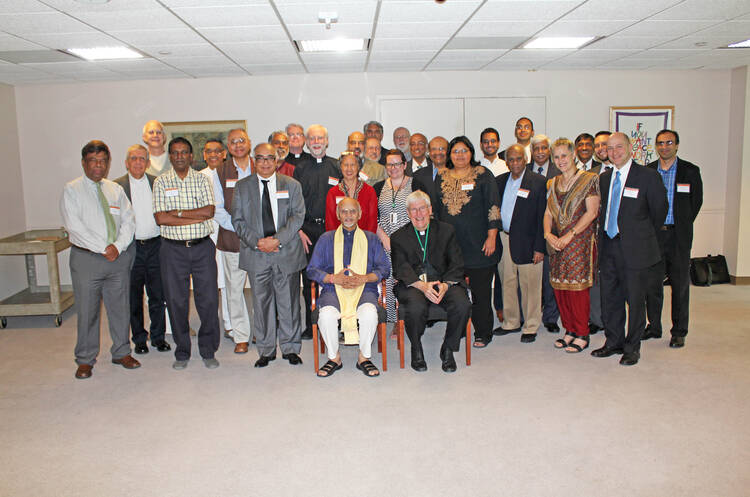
(363, 176)
(282, 194)
(332, 181)
(467, 186)
(630, 192)
(394, 217)
(523, 193)
(683, 187)
(171, 192)
(339, 199)
(231, 183)
(114, 210)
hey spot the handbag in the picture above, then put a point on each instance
(709, 270)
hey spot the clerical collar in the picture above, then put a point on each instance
(296, 156)
(319, 159)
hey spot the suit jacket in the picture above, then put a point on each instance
(423, 181)
(526, 232)
(597, 169)
(552, 169)
(685, 205)
(247, 219)
(639, 218)
(124, 182)
(443, 252)
(410, 166)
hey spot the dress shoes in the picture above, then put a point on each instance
(84, 371)
(140, 348)
(677, 342)
(449, 363)
(127, 362)
(500, 331)
(417, 359)
(211, 363)
(606, 351)
(307, 335)
(240, 348)
(630, 358)
(528, 337)
(161, 346)
(180, 364)
(263, 361)
(293, 358)
(649, 333)
(594, 329)
(552, 327)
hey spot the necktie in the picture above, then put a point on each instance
(614, 207)
(268, 227)
(108, 219)
(541, 168)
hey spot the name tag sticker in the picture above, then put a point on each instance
(171, 192)
(332, 181)
(231, 183)
(523, 193)
(339, 199)
(282, 194)
(467, 186)
(630, 192)
(683, 187)
(363, 176)
(114, 210)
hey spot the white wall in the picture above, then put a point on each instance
(54, 121)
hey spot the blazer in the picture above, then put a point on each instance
(443, 252)
(552, 169)
(639, 218)
(526, 234)
(124, 182)
(685, 205)
(247, 220)
(424, 181)
(410, 163)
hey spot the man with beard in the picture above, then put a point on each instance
(280, 141)
(372, 170)
(524, 131)
(401, 137)
(374, 129)
(489, 141)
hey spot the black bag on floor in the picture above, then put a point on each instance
(710, 270)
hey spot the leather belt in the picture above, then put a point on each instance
(87, 250)
(147, 240)
(187, 243)
(315, 220)
(667, 227)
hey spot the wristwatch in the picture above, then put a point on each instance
(179, 213)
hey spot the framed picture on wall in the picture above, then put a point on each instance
(641, 124)
(198, 132)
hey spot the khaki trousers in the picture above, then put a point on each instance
(529, 278)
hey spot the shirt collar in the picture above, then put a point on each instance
(624, 170)
(141, 180)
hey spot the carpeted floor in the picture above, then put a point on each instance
(523, 420)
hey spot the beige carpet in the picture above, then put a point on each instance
(523, 420)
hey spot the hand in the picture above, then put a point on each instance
(386, 241)
(268, 245)
(306, 242)
(338, 278)
(563, 241)
(111, 253)
(356, 280)
(489, 246)
(443, 287)
(553, 242)
(538, 257)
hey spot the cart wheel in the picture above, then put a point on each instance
(58, 320)
(3, 322)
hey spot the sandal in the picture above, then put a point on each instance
(480, 343)
(562, 343)
(368, 367)
(574, 348)
(329, 368)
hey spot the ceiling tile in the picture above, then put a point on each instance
(584, 28)
(167, 51)
(74, 6)
(522, 11)
(485, 42)
(74, 40)
(273, 52)
(159, 36)
(22, 6)
(214, 61)
(211, 3)
(319, 32)
(40, 23)
(70, 68)
(10, 42)
(634, 10)
(416, 29)
(737, 29)
(308, 12)
(246, 15)
(599, 55)
(629, 42)
(665, 28)
(245, 34)
(401, 55)
(502, 28)
(212, 72)
(132, 19)
(400, 11)
(408, 43)
(705, 10)
(258, 69)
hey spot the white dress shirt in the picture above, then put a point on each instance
(588, 165)
(159, 164)
(271, 196)
(141, 195)
(497, 166)
(84, 220)
(416, 166)
(221, 215)
(624, 170)
(545, 167)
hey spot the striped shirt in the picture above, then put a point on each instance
(172, 193)
(668, 177)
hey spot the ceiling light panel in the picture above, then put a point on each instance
(740, 44)
(426, 11)
(246, 15)
(629, 42)
(558, 42)
(105, 53)
(407, 43)
(521, 11)
(534, 55)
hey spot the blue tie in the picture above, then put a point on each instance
(614, 207)
(541, 168)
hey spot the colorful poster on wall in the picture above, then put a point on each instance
(641, 124)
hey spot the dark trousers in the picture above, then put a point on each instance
(146, 272)
(313, 231)
(497, 291)
(415, 308)
(178, 263)
(676, 265)
(550, 312)
(480, 283)
(620, 284)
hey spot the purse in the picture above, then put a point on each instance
(709, 270)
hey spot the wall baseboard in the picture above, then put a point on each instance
(739, 280)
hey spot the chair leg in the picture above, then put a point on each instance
(322, 345)
(380, 338)
(468, 343)
(400, 341)
(382, 332)
(316, 347)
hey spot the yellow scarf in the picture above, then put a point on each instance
(349, 297)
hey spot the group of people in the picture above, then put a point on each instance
(567, 230)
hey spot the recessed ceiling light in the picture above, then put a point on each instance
(105, 53)
(740, 44)
(336, 45)
(559, 42)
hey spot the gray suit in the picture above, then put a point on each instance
(274, 277)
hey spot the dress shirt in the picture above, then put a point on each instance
(605, 167)
(587, 166)
(84, 219)
(509, 200)
(624, 170)
(496, 167)
(668, 177)
(140, 194)
(173, 193)
(545, 167)
(271, 196)
(220, 214)
(416, 166)
(213, 176)
(158, 164)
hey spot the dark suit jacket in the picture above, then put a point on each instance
(443, 253)
(526, 232)
(423, 181)
(685, 206)
(552, 169)
(124, 182)
(639, 218)
(410, 170)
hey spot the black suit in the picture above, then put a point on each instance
(675, 242)
(627, 259)
(445, 264)
(425, 181)
(552, 169)
(409, 166)
(526, 234)
(146, 271)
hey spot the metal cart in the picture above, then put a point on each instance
(37, 300)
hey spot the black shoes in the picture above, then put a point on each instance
(528, 337)
(630, 358)
(594, 329)
(649, 333)
(500, 331)
(161, 346)
(263, 361)
(293, 359)
(552, 327)
(677, 342)
(449, 363)
(140, 348)
(417, 359)
(606, 352)
(307, 335)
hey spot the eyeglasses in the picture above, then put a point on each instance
(661, 143)
(265, 158)
(296, 135)
(213, 151)
(393, 164)
(460, 151)
(237, 141)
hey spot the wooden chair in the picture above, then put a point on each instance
(319, 346)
